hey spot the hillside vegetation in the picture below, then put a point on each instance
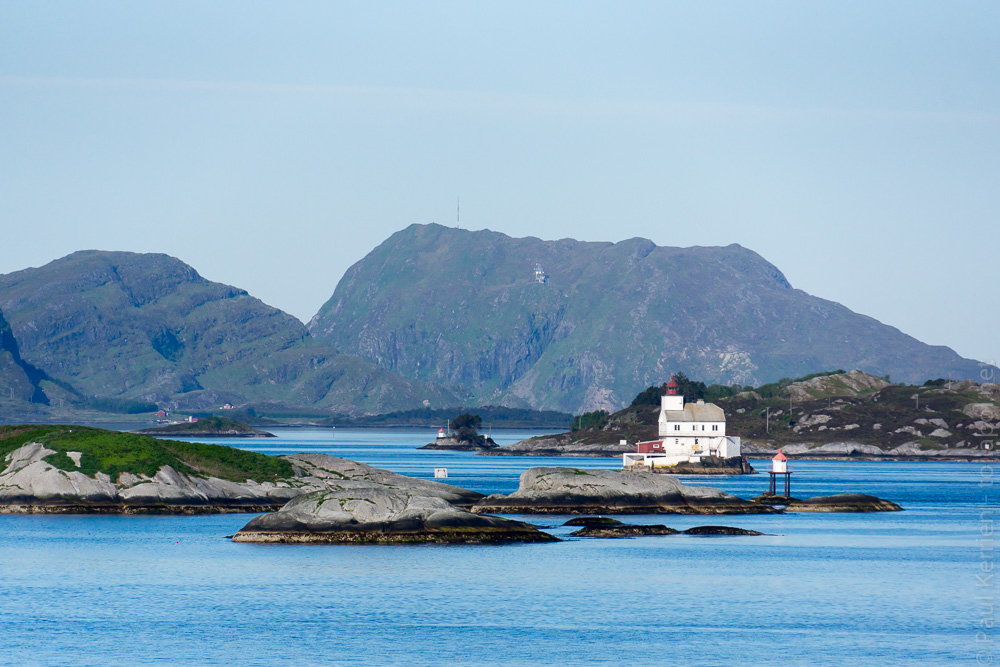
(463, 309)
(832, 408)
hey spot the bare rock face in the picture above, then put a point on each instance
(29, 484)
(854, 382)
(981, 410)
(572, 491)
(378, 514)
(320, 471)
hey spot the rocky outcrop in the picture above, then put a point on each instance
(573, 491)
(379, 514)
(454, 444)
(209, 427)
(30, 484)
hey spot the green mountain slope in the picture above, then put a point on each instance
(147, 326)
(463, 309)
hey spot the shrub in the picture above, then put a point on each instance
(590, 421)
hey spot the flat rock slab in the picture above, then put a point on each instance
(625, 530)
(573, 491)
(612, 528)
(379, 514)
(593, 521)
(843, 502)
(720, 530)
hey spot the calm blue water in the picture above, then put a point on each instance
(875, 589)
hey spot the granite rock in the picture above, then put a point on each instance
(379, 514)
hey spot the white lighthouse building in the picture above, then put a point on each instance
(687, 432)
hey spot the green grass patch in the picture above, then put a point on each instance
(113, 453)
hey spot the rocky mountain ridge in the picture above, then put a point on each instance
(577, 326)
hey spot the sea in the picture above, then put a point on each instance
(900, 588)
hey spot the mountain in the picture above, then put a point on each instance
(19, 380)
(148, 327)
(464, 309)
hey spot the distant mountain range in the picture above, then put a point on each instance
(466, 310)
(147, 326)
(436, 317)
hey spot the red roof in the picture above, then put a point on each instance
(672, 386)
(779, 457)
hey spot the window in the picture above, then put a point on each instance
(696, 441)
(677, 441)
(702, 427)
(715, 427)
(677, 427)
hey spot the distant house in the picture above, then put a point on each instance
(228, 406)
(161, 414)
(192, 419)
(687, 433)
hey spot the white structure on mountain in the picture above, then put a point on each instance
(687, 433)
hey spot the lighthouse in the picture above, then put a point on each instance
(779, 466)
(687, 433)
(441, 434)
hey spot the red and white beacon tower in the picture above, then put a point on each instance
(779, 466)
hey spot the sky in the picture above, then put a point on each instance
(854, 145)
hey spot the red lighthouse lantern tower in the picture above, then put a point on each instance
(779, 466)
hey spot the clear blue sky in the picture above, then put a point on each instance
(271, 145)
